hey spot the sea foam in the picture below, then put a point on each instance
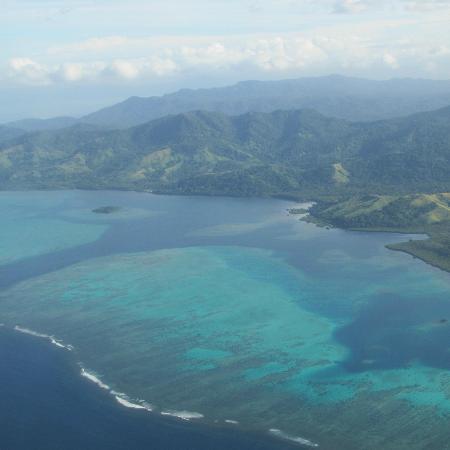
(232, 422)
(125, 402)
(121, 398)
(94, 379)
(184, 415)
(296, 439)
(52, 339)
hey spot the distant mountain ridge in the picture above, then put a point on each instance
(284, 152)
(336, 96)
(252, 140)
(54, 123)
(8, 133)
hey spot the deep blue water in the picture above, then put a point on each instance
(402, 341)
(389, 313)
(46, 405)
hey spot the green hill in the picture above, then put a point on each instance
(8, 133)
(54, 123)
(363, 175)
(420, 213)
(284, 152)
(391, 212)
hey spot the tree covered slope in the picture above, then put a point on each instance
(415, 212)
(418, 213)
(54, 123)
(8, 133)
(252, 154)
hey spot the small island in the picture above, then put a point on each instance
(298, 211)
(106, 210)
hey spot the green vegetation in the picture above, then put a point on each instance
(421, 213)
(363, 175)
(297, 153)
(412, 212)
(298, 211)
(54, 123)
(341, 174)
(106, 210)
(434, 251)
(8, 133)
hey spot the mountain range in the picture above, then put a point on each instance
(297, 152)
(336, 96)
(349, 150)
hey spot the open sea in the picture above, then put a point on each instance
(213, 323)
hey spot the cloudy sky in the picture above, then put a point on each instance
(74, 56)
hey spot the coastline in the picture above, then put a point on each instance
(171, 415)
(402, 247)
(48, 405)
(210, 413)
(298, 200)
(433, 260)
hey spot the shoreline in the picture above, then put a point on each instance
(210, 412)
(142, 405)
(394, 248)
(397, 247)
(57, 408)
(295, 199)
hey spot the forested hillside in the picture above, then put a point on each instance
(285, 152)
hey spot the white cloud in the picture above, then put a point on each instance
(273, 53)
(159, 46)
(391, 61)
(282, 54)
(28, 71)
(362, 40)
(339, 49)
(78, 71)
(125, 69)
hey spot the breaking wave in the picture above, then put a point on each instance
(296, 439)
(52, 339)
(91, 377)
(120, 397)
(184, 415)
(125, 402)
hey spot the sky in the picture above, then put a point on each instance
(72, 57)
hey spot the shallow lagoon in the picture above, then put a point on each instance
(231, 309)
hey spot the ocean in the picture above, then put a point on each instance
(196, 322)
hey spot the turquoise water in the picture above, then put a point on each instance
(236, 312)
(25, 233)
